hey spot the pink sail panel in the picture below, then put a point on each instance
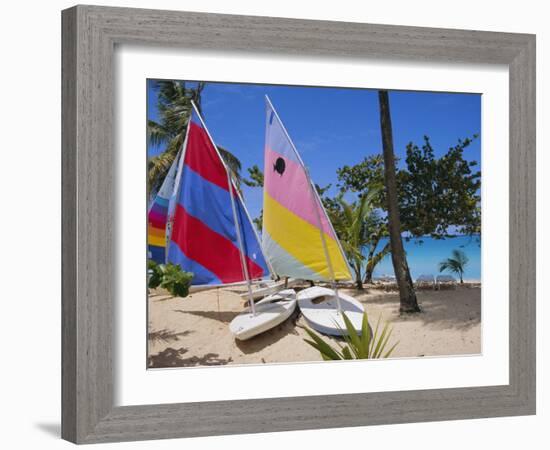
(299, 199)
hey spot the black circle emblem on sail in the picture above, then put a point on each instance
(279, 166)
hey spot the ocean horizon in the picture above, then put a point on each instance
(424, 257)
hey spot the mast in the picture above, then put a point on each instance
(317, 200)
(235, 217)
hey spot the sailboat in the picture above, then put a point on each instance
(298, 238)
(157, 216)
(208, 230)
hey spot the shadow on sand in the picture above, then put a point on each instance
(172, 357)
(449, 308)
(166, 335)
(160, 297)
(221, 316)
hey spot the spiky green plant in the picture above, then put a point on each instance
(456, 264)
(364, 346)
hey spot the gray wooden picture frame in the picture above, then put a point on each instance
(90, 34)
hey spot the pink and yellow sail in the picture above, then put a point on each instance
(297, 236)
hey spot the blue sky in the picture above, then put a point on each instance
(331, 127)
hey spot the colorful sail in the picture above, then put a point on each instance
(157, 217)
(204, 237)
(297, 233)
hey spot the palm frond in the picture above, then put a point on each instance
(456, 264)
(231, 160)
(157, 168)
(175, 108)
(156, 133)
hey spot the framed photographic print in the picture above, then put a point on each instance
(264, 229)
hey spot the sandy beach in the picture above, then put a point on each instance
(194, 331)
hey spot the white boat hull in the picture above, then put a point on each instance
(270, 312)
(270, 288)
(319, 307)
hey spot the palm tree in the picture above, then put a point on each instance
(456, 264)
(354, 233)
(174, 106)
(378, 229)
(407, 296)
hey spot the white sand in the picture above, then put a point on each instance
(194, 330)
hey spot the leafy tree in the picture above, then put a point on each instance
(256, 177)
(437, 197)
(174, 106)
(321, 190)
(256, 180)
(456, 264)
(407, 295)
(364, 176)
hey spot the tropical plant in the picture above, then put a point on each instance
(154, 274)
(354, 233)
(379, 229)
(456, 264)
(174, 107)
(407, 295)
(170, 277)
(364, 346)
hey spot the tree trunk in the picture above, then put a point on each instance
(370, 267)
(407, 296)
(374, 259)
(359, 280)
(368, 275)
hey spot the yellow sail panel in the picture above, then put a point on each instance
(154, 239)
(302, 241)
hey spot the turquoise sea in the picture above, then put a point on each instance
(424, 257)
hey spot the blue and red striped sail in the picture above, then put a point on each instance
(204, 236)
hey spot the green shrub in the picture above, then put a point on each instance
(154, 273)
(170, 277)
(366, 346)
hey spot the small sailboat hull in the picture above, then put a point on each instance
(271, 288)
(319, 307)
(270, 312)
